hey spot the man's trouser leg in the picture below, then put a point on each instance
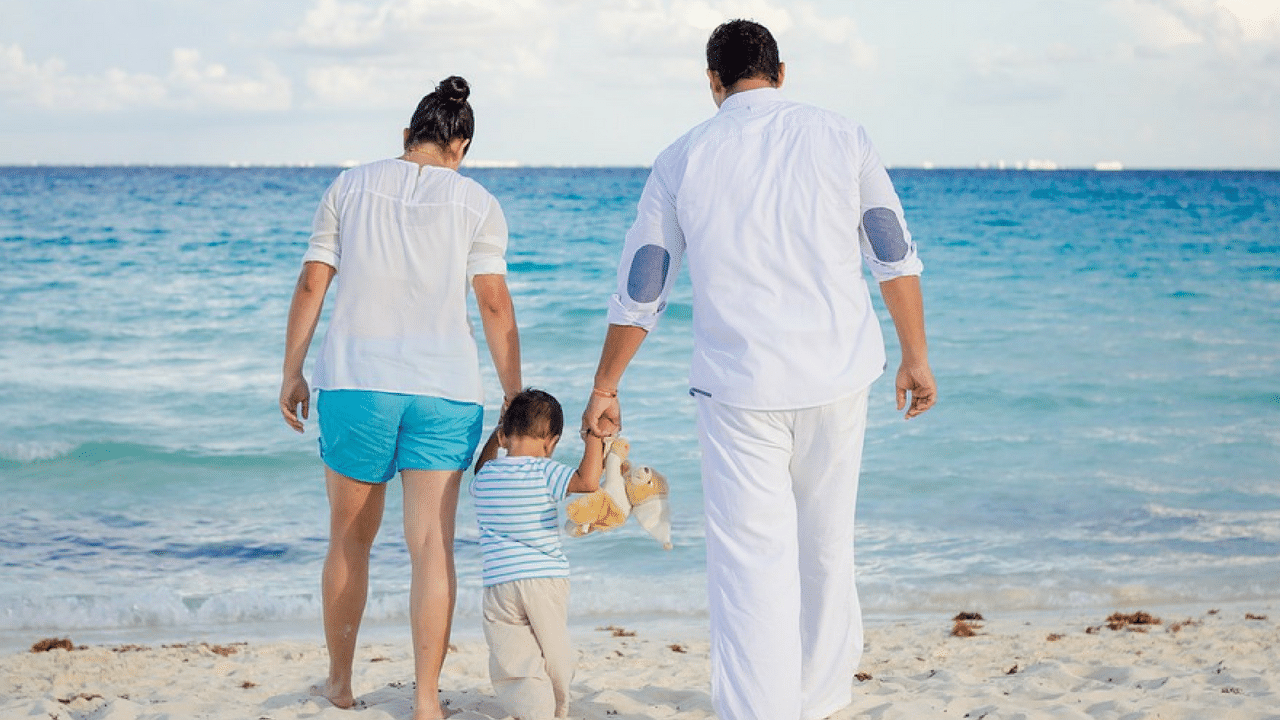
(824, 471)
(753, 580)
(780, 557)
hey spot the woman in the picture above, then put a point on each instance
(398, 373)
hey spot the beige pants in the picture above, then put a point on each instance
(530, 659)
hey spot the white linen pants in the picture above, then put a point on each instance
(779, 491)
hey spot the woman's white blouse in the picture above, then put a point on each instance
(406, 241)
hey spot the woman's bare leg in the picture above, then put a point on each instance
(355, 513)
(430, 506)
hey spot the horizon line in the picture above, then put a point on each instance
(512, 165)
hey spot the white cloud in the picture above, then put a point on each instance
(196, 84)
(1260, 19)
(657, 28)
(375, 50)
(1007, 75)
(1226, 25)
(190, 84)
(48, 85)
(391, 27)
(1230, 45)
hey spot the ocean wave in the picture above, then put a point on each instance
(29, 453)
(162, 607)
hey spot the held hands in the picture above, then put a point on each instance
(916, 380)
(294, 392)
(602, 416)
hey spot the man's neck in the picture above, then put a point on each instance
(751, 83)
(720, 93)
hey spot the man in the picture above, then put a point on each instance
(776, 205)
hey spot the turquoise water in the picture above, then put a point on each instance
(1107, 345)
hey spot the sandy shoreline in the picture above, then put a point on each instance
(1198, 662)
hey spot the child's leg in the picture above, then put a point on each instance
(516, 666)
(546, 603)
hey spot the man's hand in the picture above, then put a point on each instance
(294, 392)
(916, 380)
(602, 417)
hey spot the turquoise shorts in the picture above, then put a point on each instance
(370, 436)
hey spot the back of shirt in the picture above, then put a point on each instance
(516, 508)
(770, 202)
(406, 239)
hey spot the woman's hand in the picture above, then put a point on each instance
(294, 392)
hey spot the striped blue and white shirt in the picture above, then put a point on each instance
(516, 499)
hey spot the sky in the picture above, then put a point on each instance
(944, 83)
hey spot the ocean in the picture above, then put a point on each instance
(1107, 346)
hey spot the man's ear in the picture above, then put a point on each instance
(717, 87)
(782, 74)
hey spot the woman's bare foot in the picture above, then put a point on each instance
(335, 693)
(430, 711)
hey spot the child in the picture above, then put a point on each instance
(526, 575)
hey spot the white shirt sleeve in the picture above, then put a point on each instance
(325, 228)
(651, 257)
(887, 247)
(487, 255)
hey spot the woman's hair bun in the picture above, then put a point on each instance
(454, 89)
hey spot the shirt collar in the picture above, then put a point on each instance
(747, 98)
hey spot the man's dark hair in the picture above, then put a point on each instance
(533, 413)
(742, 49)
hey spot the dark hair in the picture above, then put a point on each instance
(443, 115)
(533, 413)
(742, 49)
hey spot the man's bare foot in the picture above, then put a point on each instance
(335, 693)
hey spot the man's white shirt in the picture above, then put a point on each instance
(775, 205)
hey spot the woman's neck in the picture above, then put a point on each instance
(432, 154)
(428, 154)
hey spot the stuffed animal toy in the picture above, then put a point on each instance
(608, 507)
(625, 490)
(647, 491)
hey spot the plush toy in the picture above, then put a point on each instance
(608, 507)
(625, 490)
(647, 490)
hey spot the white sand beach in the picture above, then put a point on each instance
(1195, 663)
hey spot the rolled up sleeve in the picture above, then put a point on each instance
(487, 255)
(886, 243)
(325, 226)
(650, 259)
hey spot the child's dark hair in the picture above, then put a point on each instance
(533, 413)
(443, 115)
(742, 49)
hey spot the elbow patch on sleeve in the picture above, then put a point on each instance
(884, 230)
(648, 274)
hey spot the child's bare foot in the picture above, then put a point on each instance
(335, 693)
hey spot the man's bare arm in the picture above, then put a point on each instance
(905, 302)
